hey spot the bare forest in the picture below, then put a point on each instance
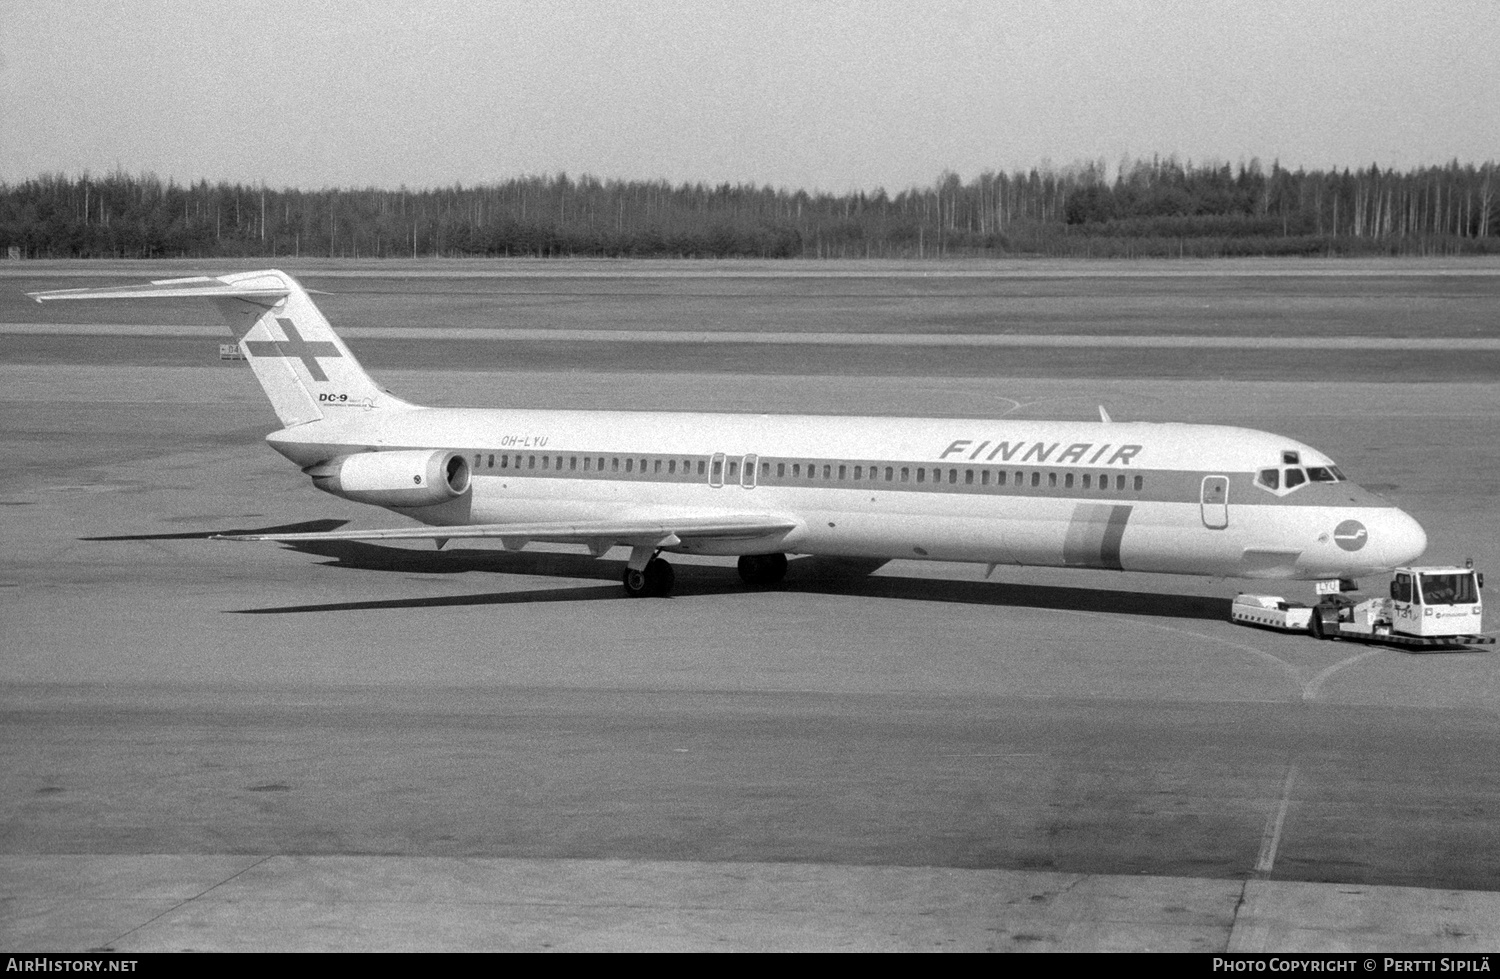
(1159, 207)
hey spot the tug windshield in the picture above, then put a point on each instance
(1449, 589)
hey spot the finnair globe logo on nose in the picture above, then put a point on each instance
(1350, 535)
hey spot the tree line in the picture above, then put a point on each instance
(1151, 207)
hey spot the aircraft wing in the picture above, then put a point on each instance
(600, 535)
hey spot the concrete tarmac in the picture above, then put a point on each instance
(219, 746)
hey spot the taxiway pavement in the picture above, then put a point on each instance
(211, 745)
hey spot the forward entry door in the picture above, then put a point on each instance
(1215, 502)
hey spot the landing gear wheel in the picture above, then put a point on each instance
(659, 577)
(1315, 624)
(655, 580)
(762, 569)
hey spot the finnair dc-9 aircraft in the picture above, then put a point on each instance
(1175, 498)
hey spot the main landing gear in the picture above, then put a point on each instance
(654, 580)
(762, 569)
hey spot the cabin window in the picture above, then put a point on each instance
(796, 469)
(656, 466)
(572, 463)
(1068, 481)
(614, 464)
(828, 472)
(890, 473)
(477, 458)
(1088, 481)
(700, 467)
(504, 461)
(859, 473)
(531, 462)
(601, 463)
(718, 469)
(1120, 482)
(734, 471)
(1104, 482)
(671, 467)
(921, 475)
(765, 469)
(984, 478)
(1036, 479)
(1052, 480)
(1000, 478)
(780, 469)
(629, 463)
(843, 473)
(905, 474)
(968, 477)
(1140, 483)
(1020, 479)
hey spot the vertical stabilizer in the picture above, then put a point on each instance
(305, 369)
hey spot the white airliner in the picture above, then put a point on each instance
(1175, 498)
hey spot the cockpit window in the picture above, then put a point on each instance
(1270, 478)
(1321, 474)
(1295, 478)
(1338, 474)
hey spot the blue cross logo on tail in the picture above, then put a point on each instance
(307, 351)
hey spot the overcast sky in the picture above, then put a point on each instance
(820, 94)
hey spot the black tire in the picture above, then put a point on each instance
(659, 577)
(1315, 624)
(652, 582)
(636, 583)
(762, 569)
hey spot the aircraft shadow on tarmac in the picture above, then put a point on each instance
(829, 576)
(306, 527)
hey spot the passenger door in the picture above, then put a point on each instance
(1214, 502)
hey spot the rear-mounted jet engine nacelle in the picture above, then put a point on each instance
(394, 479)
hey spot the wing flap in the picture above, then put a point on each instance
(663, 531)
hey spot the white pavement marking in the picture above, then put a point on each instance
(1271, 839)
(1310, 692)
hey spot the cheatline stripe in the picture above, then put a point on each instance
(786, 337)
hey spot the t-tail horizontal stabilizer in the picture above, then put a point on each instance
(303, 366)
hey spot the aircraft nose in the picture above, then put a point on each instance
(1402, 539)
